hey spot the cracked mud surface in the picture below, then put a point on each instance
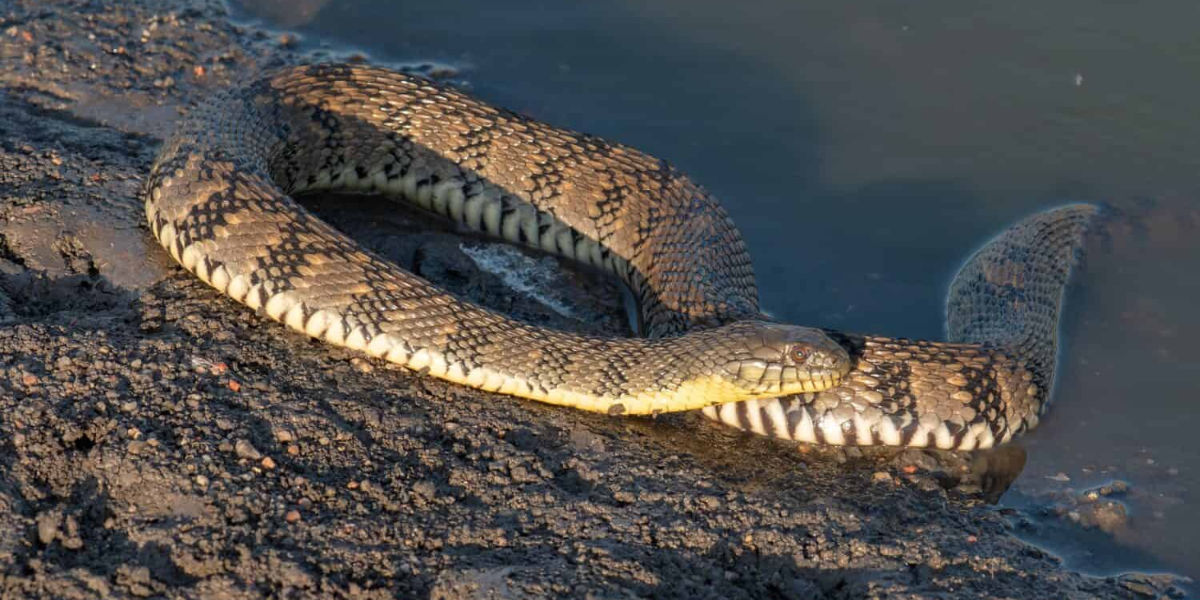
(158, 440)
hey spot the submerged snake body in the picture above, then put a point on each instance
(219, 199)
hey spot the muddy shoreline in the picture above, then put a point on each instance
(158, 440)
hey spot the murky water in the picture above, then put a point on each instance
(865, 149)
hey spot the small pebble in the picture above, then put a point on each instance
(267, 463)
(292, 516)
(47, 527)
(881, 477)
(244, 449)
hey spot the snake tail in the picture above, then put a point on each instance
(1013, 289)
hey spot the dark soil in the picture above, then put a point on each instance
(156, 439)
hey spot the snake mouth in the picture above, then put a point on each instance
(761, 377)
(768, 380)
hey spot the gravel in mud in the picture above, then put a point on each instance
(158, 440)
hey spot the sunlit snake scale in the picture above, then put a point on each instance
(219, 199)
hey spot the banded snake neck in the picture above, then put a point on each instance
(1002, 311)
(219, 200)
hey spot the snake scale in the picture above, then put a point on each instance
(220, 201)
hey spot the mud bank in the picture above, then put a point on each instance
(158, 440)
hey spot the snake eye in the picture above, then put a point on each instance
(799, 353)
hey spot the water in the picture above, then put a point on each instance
(865, 149)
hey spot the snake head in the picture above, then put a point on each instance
(777, 360)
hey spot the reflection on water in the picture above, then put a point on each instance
(286, 13)
(866, 148)
(997, 469)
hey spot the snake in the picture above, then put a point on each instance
(221, 200)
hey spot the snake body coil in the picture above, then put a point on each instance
(219, 200)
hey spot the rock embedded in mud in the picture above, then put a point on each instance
(47, 526)
(244, 449)
(1106, 515)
